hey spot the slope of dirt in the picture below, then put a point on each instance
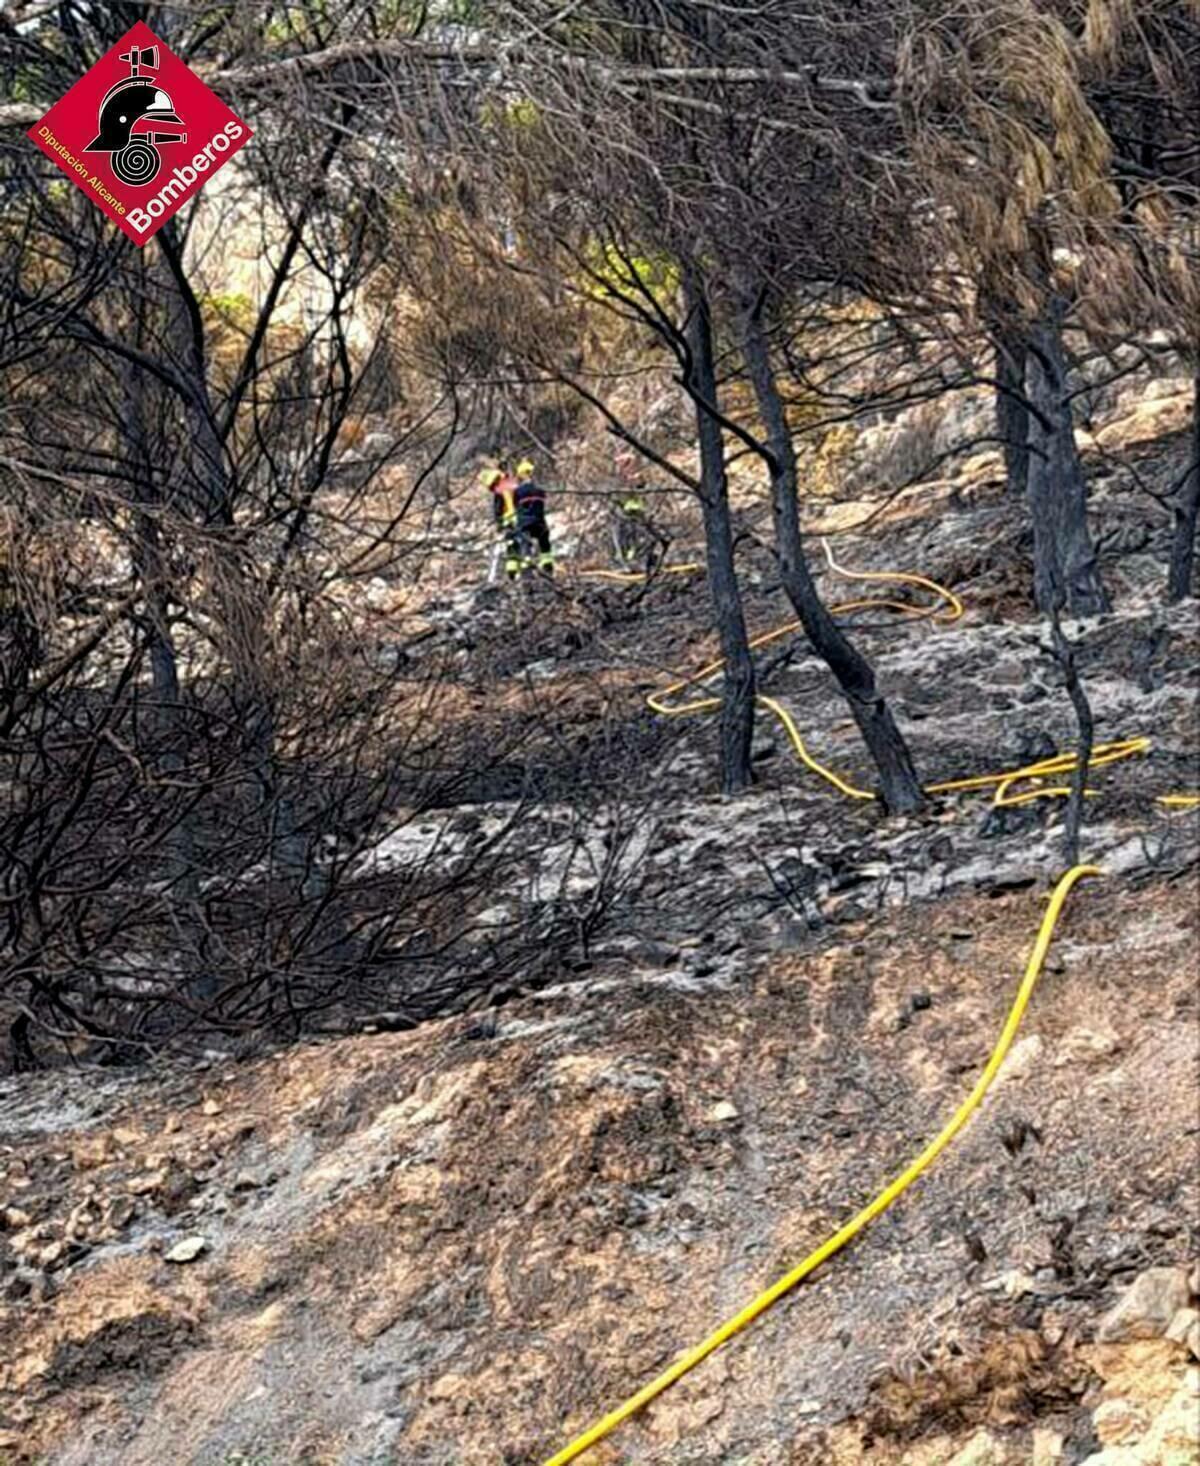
(456, 1245)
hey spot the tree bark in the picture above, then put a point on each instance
(1012, 415)
(1065, 564)
(737, 689)
(900, 789)
(1065, 653)
(1187, 510)
(1011, 349)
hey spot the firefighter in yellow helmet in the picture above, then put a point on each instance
(639, 544)
(531, 518)
(502, 487)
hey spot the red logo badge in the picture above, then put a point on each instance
(140, 133)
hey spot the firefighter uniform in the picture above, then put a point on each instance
(531, 518)
(502, 487)
(635, 538)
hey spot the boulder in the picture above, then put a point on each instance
(1147, 1307)
(378, 445)
(1047, 1447)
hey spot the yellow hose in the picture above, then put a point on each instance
(886, 1197)
(628, 575)
(658, 701)
(1061, 763)
(954, 607)
(1058, 764)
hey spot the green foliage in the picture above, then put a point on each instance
(613, 273)
(518, 115)
(463, 12)
(233, 310)
(523, 114)
(24, 85)
(304, 22)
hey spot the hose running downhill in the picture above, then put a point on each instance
(608, 1423)
(1002, 784)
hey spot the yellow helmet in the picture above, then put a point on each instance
(525, 468)
(489, 477)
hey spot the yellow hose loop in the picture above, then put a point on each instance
(1179, 801)
(954, 607)
(886, 1197)
(1062, 763)
(706, 673)
(1059, 763)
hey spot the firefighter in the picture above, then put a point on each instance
(635, 538)
(531, 518)
(502, 486)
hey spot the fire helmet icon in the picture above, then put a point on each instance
(136, 98)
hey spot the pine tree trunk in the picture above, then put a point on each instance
(737, 689)
(1012, 416)
(900, 790)
(1065, 562)
(1010, 344)
(1187, 510)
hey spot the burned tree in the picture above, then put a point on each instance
(900, 789)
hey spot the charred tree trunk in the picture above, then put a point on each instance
(737, 689)
(1187, 510)
(1011, 347)
(1065, 653)
(1064, 558)
(1012, 415)
(900, 789)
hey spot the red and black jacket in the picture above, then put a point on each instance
(531, 501)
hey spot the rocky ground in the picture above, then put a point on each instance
(459, 1244)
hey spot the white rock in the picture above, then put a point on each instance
(188, 1249)
(1082, 1043)
(983, 1449)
